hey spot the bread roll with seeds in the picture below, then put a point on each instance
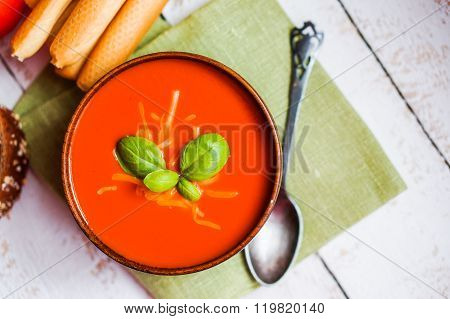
(36, 28)
(13, 159)
(120, 39)
(81, 31)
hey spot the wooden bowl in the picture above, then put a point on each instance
(70, 192)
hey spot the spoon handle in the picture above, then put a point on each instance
(305, 42)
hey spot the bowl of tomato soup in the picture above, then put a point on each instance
(171, 163)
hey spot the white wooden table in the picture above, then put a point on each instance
(391, 59)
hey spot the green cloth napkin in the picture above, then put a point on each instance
(348, 175)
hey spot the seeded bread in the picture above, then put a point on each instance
(13, 159)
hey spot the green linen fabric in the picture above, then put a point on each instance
(347, 176)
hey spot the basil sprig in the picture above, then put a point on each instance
(161, 180)
(188, 190)
(204, 157)
(201, 159)
(139, 156)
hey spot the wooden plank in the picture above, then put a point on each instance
(40, 232)
(411, 230)
(10, 90)
(24, 72)
(309, 279)
(418, 61)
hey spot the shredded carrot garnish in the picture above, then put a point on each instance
(144, 122)
(142, 133)
(150, 196)
(190, 117)
(203, 222)
(192, 206)
(154, 116)
(207, 223)
(171, 203)
(174, 161)
(220, 194)
(165, 199)
(196, 131)
(173, 108)
(140, 191)
(165, 143)
(209, 181)
(162, 130)
(167, 195)
(126, 178)
(106, 189)
(188, 203)
(200, 213)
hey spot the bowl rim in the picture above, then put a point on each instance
(70, 191)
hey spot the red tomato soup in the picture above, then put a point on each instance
(164, 234)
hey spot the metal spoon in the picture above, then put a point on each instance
(274, 249)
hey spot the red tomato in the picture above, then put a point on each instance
(10, 14)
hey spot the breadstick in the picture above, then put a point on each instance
(120, 39)
(71, 71)
(62, 19)
(31, 3)
(36, 28)
(82, 29)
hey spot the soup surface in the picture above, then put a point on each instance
(137, 102)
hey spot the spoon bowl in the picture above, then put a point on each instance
(275, 248)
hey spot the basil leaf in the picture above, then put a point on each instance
(161, 180)
(139, 155)
(204, 157)
(121, 163)
(188, 190)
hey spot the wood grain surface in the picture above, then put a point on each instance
(391, 60)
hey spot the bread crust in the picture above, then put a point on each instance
(71, 71)
(120, 39)
(82, 29)
(13, 159)
(35, 29)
